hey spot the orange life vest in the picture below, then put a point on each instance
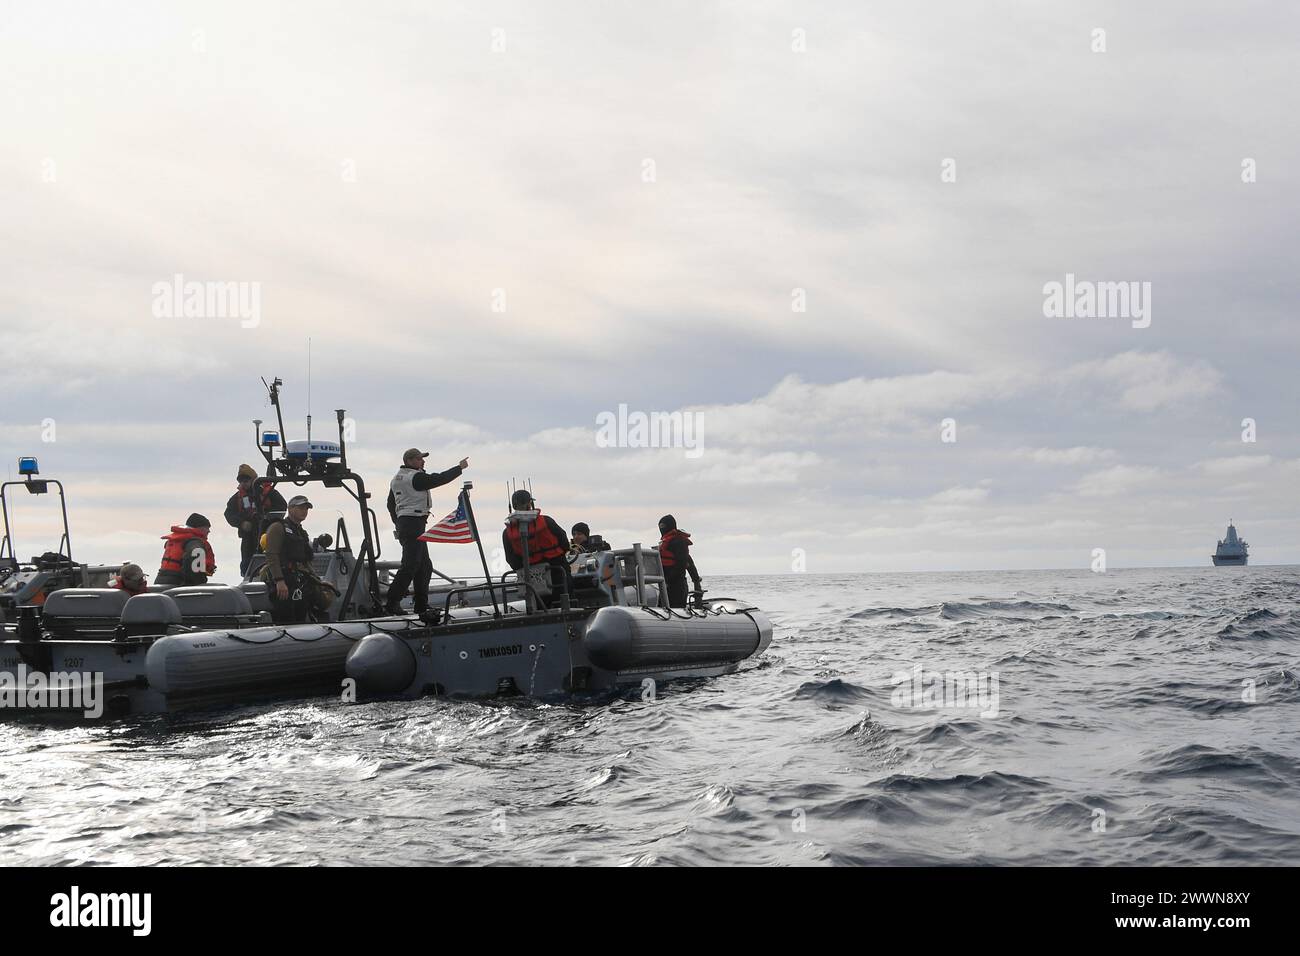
(665, 555)
(173, 558)
(543, 545)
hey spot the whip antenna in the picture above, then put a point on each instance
(309, 400)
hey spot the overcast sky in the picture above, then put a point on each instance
(644, 188)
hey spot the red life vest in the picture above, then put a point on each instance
(543, 545)
(173, 558)
(120, 585)
(665, 555)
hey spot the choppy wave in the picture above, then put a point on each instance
(1261, 624)
(1260, 768)
(1005, 610)
(833, 692)
(963, 610)
(871, 613)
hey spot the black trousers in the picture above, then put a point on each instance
(247, 548)
(675, 578)
(416, 565)
(307, 599)
(568, 579)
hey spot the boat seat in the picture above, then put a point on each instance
(258, 594)
(651, 595)
(149, 614)
(539, 576)
(214, 606)
(83, 613)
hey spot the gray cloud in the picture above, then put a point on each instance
(216, 142)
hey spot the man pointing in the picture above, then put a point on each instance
(409, 503)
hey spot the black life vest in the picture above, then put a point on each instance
(543, 545)
(296, 549)
(665, 554)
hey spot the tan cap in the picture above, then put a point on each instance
(414, 453)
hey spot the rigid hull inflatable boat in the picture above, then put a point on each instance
(136, 645)
(184, 647)
(614, 631)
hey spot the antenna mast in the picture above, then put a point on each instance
(309, 401)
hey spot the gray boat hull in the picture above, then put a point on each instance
(120, 666)
(553, 653)
(159, 674)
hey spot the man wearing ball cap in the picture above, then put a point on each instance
(409, 503)
(296, 590)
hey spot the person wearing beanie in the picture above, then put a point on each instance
(674, 552)
(249, 510)
(585, 541)
(187, 556)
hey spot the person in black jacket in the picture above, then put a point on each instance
(409, 503)
(674, 552)
(547, 542)
(585, 541)
(249, 511)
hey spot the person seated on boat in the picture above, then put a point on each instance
(248, 512)
(187, 556)
(409, 503)
(674, 552)
(585, 541)
(547, 542)
(131, 579)
(297, 593)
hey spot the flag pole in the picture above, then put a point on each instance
(473, 528)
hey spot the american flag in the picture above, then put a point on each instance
(453, 529)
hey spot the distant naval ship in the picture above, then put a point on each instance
(1232, 551)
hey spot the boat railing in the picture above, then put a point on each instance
(642, 578)
(505, 595)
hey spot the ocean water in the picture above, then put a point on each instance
(1141, 717)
